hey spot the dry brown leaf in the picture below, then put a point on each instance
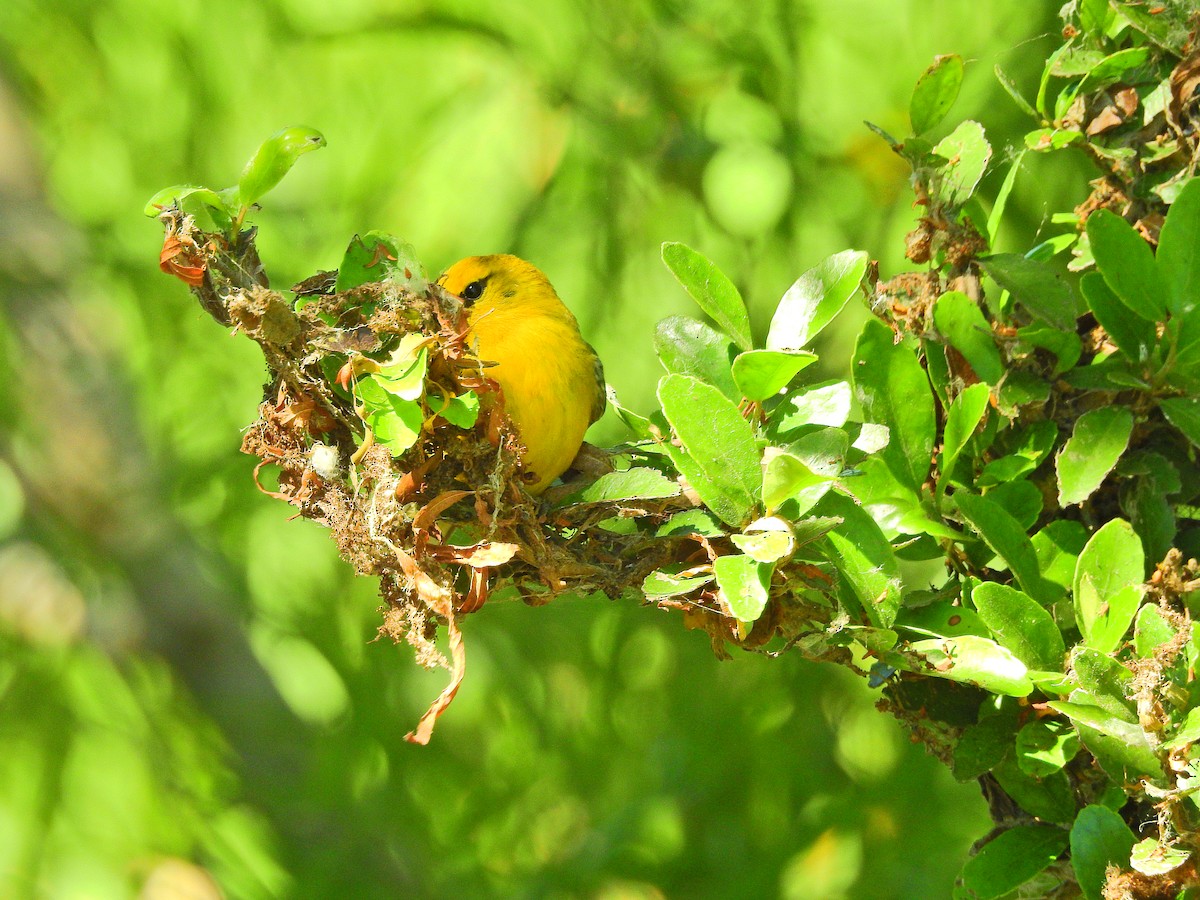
(458, 655)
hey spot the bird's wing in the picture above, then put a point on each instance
(600, 399)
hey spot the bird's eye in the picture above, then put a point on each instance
(473, 291)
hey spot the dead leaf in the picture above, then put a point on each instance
(483, 555)
(1109, 117)
(430, 511)
(477, 594)
(458, 655)
(184, 261)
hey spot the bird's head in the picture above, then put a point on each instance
(499, 283)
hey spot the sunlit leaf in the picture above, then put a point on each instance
(638, 483)
(711, 289)
(744, 585)
(935, 93)
(687, 346)
(760, 374)
(1099, 438)
(274, 158)
(1020, 624)
(962, 324)
(814, 299)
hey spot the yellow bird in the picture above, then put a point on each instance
(552, 379)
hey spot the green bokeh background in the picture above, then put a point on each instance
(188, 692)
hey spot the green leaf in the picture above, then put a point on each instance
(893, 389)
(964, 416)
(638, 483)
(1184, 414)
(967, 153)
(1023, 500)
(193, 200)
(975, 660)
(1037, 286)
(1043, 140)
(744, 585)
(1188, 732)
(1106, 585)
(1133, 335)
(1178, 258)
(1013, 91)
(814, 299)
(1065, 345)
(691, 521)
(1001, 202)
(1020, 624)
(864, 558)
(720, 456)
(1107, 683)
(1127, 264)
(935, 93)
(1099, 438)
(1125, 756)
(274, 158)
(661, 583)
(378, 256)
(1044, 747)
(687, 346)
(764, 546)
(395, 422)
(1152, 857)
(1011, 859)
(983, 746)
(760, 374)
(787, 477)
(1094, 17)
(1007, 539)
(1058, 546)
(961, 322)
(825, 404)
(1150, 630)
(1049, 798)
(711, 289)
(403, 374)
(1099, 839)
(462, 411)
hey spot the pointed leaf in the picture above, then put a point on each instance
(1110, 568)
(1037, 286)
(1184, 414)
(1007, 539)
(965, 414)
(721, 458)
(1178, 259)
(864, 558)
(1133, 335)
(1090, 453)
(894, 390)
(935, 93)
(1020, 624)
(711, 289)
(814, 299)
(760, 374)
(274, 158)
(1127, 264)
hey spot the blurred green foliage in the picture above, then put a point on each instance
(185, 675)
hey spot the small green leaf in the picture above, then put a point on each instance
(1001, 202)
(638, 483)
(787, 477)
(378, 256)
(864, 558)
(691, 521)
(1011, 859)
(1178, 259)
(935, 93)
(1058, 546)
(1044, 140)
(1096, 444)
(1099, 839)
(1045, 747)
(1065, 345)
(760, 374)
(1150, 630)
(975, 660)
(1127, 264)
(720, 456)
(661, 583)
(1121, 749)
(964, 416)
(274, 158)
(1134, 336)
(1007, 539)
(765, 546)
(983, 746)
(1184, 414)
(814, 299)
(395, 422)
(462, 411)
(1037, 286)
(1021, 625)
(193, 200)
(711, 289)
(1188, 732)
(961, 322)
(1152, 857)
(687, 346)
(403, 374)
(824, 404)
(1109, 572)
(894, 390)
(967, 153)
(1107, 683)
(744, 585)
(1013, 91)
